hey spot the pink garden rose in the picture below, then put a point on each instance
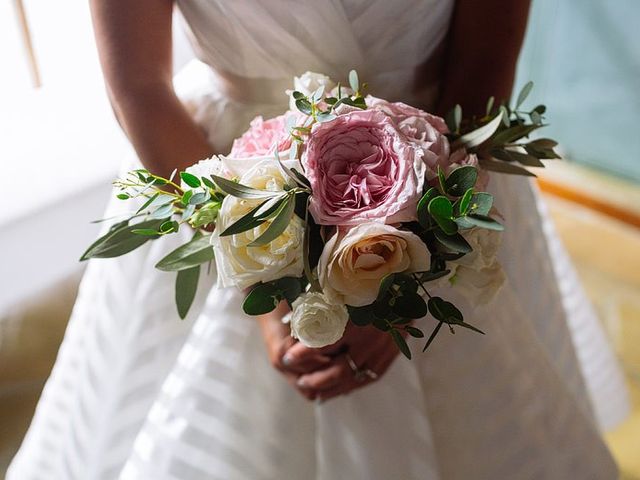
(362, 168)
(427, 130)
(261, 138)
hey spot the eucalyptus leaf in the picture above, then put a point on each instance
(278, 225)
(242, 191)
(263, 298)
(456, 242)
(385, 285)
(460, 180)
(252, 219)
(360, 316)
(354, 83)
(410, 306)
(485, 222)
(401, 343)
(304, 106)
(121, 240)
(186, 287)
(524, 93)
(464, 202)
(441, 210)
(162, 212)
(479, 135)
(481, 203)
(148, 202)
(414, 332)
(189, 255)
(503, 167)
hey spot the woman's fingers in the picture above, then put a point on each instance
(325, 378)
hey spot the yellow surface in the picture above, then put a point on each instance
(609, 267)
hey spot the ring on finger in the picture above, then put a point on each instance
(360, 374)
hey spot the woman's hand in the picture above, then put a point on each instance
(278, 340)
(367, 347)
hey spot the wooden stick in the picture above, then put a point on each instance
(28, 44)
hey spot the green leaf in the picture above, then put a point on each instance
(190, 179)
(148, 202)
(242, 191)
(360, 316)
(385, 285)
(479, 135)
(261, 299)
(456, 242)
(524, 93)
(252, 219)
(430, 276)
(162, 212)
(441, 210)
(278, 225)
(401, 343)
(123, 196)
(513, 156)
(512, 134)
(189, 255)
(298, 95)
(186, 196)
(186, 287)
(464, 202)
(460, 180)
(414, 332)
(145, 231)
(432, 336)
(481, 203)
(208, 183)
(289, 288)
(423, 207)
(199, 198)
(304, 106)
(410, 306)
(503, 167)
(354, 83)
(444, 311)
(483, 221)
(120, 240)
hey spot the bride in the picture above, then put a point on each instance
(138, 394)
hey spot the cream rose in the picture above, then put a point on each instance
(205, 168)
(239, 264)
(478, 275)
(316, 321)
(353, 263)
(309, 82)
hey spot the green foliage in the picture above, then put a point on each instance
(121, 240)
(197, 251)
(265, 297)
(186, 287)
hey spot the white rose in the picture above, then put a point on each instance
(353, 263)
(317, 322)
(205, 168)
(478, 275)
(309, 82)
(241, 265)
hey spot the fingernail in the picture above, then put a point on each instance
(287, 359)
(301, 382)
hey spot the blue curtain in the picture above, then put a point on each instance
(584, 57)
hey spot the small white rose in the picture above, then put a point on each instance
(353, 263)
(317, 322)
(205, 168)
(478, 275)
(237, 263)
(309, 82)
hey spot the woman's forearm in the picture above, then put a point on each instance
(160, 129)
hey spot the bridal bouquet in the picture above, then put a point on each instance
(348, 207)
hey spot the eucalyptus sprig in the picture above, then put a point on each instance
(500, 138)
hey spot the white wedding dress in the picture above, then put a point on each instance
(138, 394)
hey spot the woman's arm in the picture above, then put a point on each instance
(135, 48)
(483, 46)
